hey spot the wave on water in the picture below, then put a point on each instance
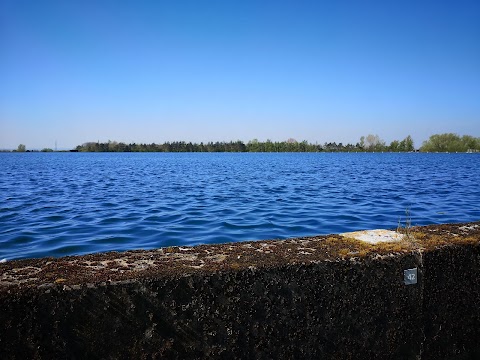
(64, 204)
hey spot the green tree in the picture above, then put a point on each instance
(361, 144)
(253, 146)
(21, 148)
(447, 142)
(406, 144)
(471, 143)
(409, 144)
(394, 145)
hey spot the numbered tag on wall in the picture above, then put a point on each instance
(410, 276)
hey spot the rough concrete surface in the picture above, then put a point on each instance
(325, 297)
(375, 236)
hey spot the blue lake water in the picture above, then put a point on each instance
(55, 204)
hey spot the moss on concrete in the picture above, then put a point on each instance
(313, 297)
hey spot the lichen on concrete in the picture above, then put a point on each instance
(311, 297)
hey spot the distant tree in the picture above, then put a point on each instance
(361, 144)
(21, 148)
(471, 143)
(394, 146)
(372, 143)
(90, 147)
(112, 146)
(253, 146)
(47, 150)
(450, 142)
(409, 144)
(406, 144)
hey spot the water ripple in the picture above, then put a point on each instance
(63, 204)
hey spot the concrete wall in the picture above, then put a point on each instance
(322, 297)
(451, 304)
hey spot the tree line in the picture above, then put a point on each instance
(370, 143)
(447, 142)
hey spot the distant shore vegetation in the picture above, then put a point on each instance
(371, 143)
(368, 143)
(447, 142)
(451, 143)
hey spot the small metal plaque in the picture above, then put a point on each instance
(410, 276)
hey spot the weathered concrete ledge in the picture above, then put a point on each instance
(325, 297)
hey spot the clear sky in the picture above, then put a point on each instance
(154, 71)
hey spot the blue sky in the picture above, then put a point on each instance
(155, 71)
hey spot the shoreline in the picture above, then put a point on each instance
(324, 296)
